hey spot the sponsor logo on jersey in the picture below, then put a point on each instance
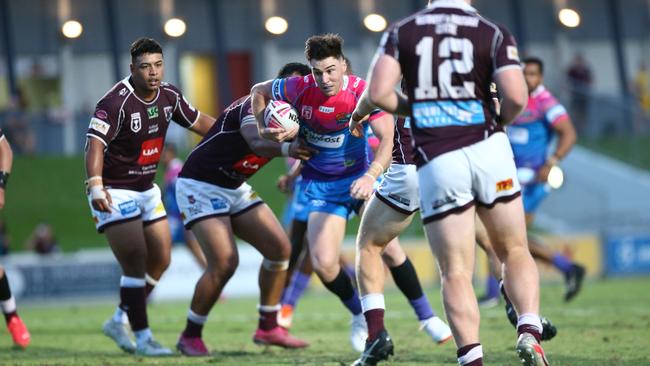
(327, 141)
(101, 114)
(250, 164)
(324, 109)
(153, 128)
(448, 113)
(168, 113)
(512, 53)
(441, 202)
(152, 112)
(99, 125)
(306, 112)
(123, 92)
(127, 207)
(343, 118)
(136, 122)
(218, 203)
(505, 185)
(150, 152)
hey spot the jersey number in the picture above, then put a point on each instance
(464, 65)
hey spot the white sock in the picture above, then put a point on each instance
(530, 319)
(473, 355)
(268, 308)
(126, 281)
(372, 301)
(142, 336)
(196, 318)
(8, 306)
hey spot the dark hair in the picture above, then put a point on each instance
(347, 62)
(323, 46)
(535, 61)
(293, 67)
(144, 45)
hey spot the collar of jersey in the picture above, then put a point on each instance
(539, 90)
(127, 81)
(456, 4)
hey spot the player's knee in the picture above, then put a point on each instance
(455, 276)
(275, 266)
(324, 265)
(224, 268)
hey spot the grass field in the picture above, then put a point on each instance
(607, 324)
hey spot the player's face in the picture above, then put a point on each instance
(147, 71)
(533, 76)
(328, 74)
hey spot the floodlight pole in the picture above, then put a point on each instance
(8, 47)
(218, 33)
(617, 38)
(112, 38)
(319, 21)
(519, 28)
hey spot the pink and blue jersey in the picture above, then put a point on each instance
(532, 132)
(324, 126)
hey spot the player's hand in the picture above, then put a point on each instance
(299, 150)
(100, 199)
(356, 125)
(362, 187)
(285, 183)
(542, 173)
(276, 134)
(2, 198)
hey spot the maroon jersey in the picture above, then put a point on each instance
(133, 132)
(2, 134)
(223, 157)
(448, 54)
(402, 144)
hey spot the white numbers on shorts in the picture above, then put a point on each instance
(449, 45)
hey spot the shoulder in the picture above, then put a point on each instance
(115, 97)
(170, 89)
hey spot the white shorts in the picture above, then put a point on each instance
(399, 188)
(482, 173)
(130, 205)
(200, 200)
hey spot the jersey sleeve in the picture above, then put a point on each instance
(554, 112)
(289, 89)
(104, 123)
(246, 116)
(184, 112)
(505, 55)
(388, 43)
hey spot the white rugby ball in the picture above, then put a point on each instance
(280, 114)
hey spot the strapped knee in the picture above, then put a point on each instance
(275, 266)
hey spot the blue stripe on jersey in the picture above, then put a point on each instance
(448, 113)
(278, 89)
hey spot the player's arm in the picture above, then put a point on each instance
(94, 156)
(261, 94)
(271, 149)
(514, 94)
(566, 138)
(203, 124)
(384, 75)
(285, 181)
(6, 160)
(383, 127)
(360, 114)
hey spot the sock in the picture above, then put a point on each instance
(373, 310)
(134, 302)
(7, 301)
(561, 262)
(297, 286)
(341, 286)
(268, 316)
(150, 284)
(194, 326)
(407, 281)
(492, 287)
(530, 323)
(470, 355)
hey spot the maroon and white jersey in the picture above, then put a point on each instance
(402, 144)
(223, 157)
(133, 132)
(2, 134)
(449, 54)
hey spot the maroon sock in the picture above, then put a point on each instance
(193, 330)
(532, 330)
(375, 321)
(268, 320)
(462, 351)
(134, 303)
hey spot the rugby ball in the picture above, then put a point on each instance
(280, 114)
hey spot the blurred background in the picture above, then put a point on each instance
(58, 57)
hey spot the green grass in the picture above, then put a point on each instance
(633, 150)
(608, 324)
(50, 189)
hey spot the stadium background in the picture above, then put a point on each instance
(601, 216)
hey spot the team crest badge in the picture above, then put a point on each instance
(136, 122)
(168, 113)
(306, 112)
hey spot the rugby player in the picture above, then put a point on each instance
(125, 139)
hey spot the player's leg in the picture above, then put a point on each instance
(195, 248)
(259, 227)
(158, 238)
(15, 325)
(128, 244)
(491, 296)
(299, 273)
(216, 238)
